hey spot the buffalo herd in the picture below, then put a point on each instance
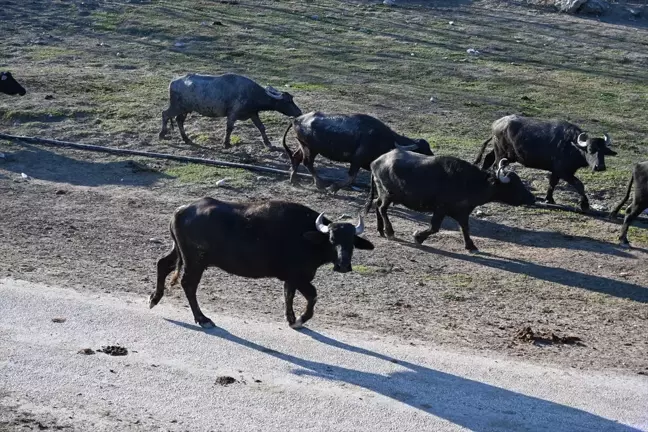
(289, 241)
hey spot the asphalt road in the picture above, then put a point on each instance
(172, 377)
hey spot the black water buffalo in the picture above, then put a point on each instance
(357, 138)
(639, 202)
(556, 146)
(233, 96)
(443, 185)
(278, 239)
(9, 85)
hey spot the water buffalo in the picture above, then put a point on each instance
(277, 239)
(357, 138)
(443, 185)
(639, 201)
(233, 96)
(557, 146)
(9, 85)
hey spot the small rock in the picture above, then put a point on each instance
(179, 44)
(61, 192)
(49, 97)
(154, 240)
(472, 51)
(217, 23)
(222, 182)
(432, 99)
(113, 350)
(315, 17)
(86, 351)
(451, 22)
(58, 320)
(23, 175)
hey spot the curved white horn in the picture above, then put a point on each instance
(582, 140)
(406, 148)
(360, 227)
(319, 223)
(608, 140)
(273, 92)
(503, 178)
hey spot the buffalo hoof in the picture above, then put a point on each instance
(297, 324)
(584, 208)
(418, 238)
(153, 301)
(623, 242)
(163, 136)
(206, 324)
(474, 250)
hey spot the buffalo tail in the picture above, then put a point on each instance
(370, 197)
(625, 198)
(288, 151)
(481, 152)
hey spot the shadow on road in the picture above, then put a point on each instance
(459, 400)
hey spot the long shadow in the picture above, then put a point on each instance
(46, 165)
(557, 275)
(451, 397)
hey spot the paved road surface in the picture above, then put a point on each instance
(286, 380)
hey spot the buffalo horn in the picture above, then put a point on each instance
(504, 178)
(273, 92)
(406, 148)
(582, 140)
(319, 223)
(360, 227)
(608, 140)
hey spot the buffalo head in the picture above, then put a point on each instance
(9, 85)
(342, 238)
(283, 102)
(509, 187)
(595, 149)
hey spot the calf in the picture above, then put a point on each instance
(9, 85)
(556, 146)
(357, 138)
(443, 185)
(277, 239)
(233, 96)
(639, 201)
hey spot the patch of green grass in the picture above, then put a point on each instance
(45, 52)
(453, 296)
(307, 86)
(195, 173)
(106, 21)
(638, 235)
(457, 280)
(370, 270)
(235, 139)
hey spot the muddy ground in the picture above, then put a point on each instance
(98, 223)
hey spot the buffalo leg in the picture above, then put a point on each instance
(190, 280)
(295, 160)
(310, 293)
(165, 120)
(632, 212)
(259, 125)
(229, 127)
(465, 230)
(180, 119)
(435, 226)
(353, 173)
(309, 160)
(553, 181)
(165, 265)
(289, 295)
(382, 212)
(578, 185)
(380, 225)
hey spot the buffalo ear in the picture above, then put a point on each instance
(315, 237)
(360, 243)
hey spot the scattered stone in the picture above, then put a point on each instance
(61, 192)
(23, 175)
(59, 320)
(472, 51)
(113, 350)
(179, 44)
(49, 97)
(222, 182)
(154, 240)
(225, 380)
(450, 22)
(432, 99)
(86, 351)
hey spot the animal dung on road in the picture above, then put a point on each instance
(113, 350)
(59, 320)
(86, 351)
(528, 335)
(225, 380)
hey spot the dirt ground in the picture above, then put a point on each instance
(98, 223)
